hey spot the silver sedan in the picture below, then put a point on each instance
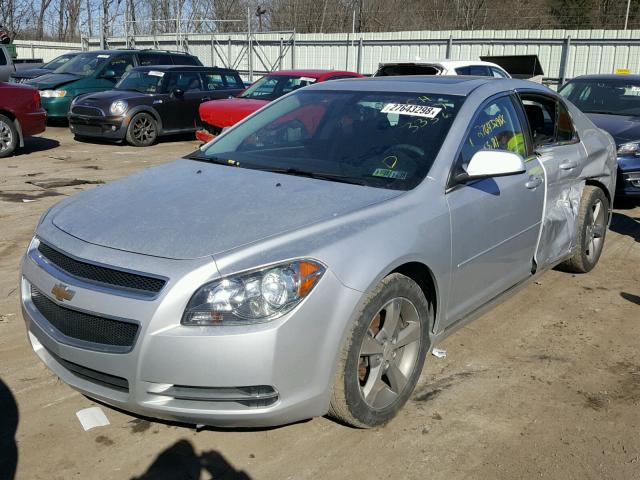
(307, 260)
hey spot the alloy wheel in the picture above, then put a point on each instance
(6, 136)
(595, 230)
(144, 129)
(389, 352)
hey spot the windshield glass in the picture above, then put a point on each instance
(84, 64)
(274, 86)
(57, 62)
(619, 96)
(144, 82)
(378, 139)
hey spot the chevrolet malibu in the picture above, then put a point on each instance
(307, 260)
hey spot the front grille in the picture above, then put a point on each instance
(104, 379)
(88, 111)
(95, 273)
(83, 326)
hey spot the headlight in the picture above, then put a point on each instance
(629, 149)
(53, 93)
(118, 107)
(253, 297)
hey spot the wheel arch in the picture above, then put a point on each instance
(594, 182)
(426, 280)
(151, 111)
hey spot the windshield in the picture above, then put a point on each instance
(619, 96)
(274, 86)
(378, 139)
(144, 82)
(84, 64)
(57, 62)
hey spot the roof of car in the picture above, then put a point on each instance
(309, 73)
(443, 63)
(135, 50)
(436, 84)
(169, 68)
(609, 76)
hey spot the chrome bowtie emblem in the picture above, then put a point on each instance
(62, 292)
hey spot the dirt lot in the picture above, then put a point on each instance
(547, 385)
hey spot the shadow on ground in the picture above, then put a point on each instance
(180, 461)
(626, 225)
(8, 427)
(36, 144)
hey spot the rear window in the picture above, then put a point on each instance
(185, 60)
(395, 70)
(154, 58)
(233, 81)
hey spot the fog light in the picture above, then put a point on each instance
(113, 128)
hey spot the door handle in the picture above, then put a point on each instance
(533, 182)
(205, 99)
(568, 165)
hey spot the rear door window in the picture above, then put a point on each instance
(463, 71)
(213, 81)
(479, 70)
(3, 60)
(498, 73)
(186, 81)
(120, 64)
(184, 60)
(233, 81)
(154, 58)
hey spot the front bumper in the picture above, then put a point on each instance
(57, 108)
(109, 127)
(257, 375)
(628, 182)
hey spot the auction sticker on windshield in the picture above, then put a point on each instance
(155, 73)
(413, 110)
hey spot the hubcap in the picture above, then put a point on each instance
(6, 137)
(594, 234)
(389, 352)
(143, 130)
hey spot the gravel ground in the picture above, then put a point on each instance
(546, 385)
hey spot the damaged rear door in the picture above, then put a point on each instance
(558, 148)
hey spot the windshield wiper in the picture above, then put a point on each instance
(334, 177)
(198, 155)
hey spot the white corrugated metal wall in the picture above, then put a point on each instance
(587, 51)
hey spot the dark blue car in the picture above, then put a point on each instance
(612, 102)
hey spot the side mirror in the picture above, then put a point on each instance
(177, 92)
(494, 163)
(109, 75)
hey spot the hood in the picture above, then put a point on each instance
(189, 209)
(53, 80)
(622, 128)
(225, 113)
(108, 96)
(31, 73)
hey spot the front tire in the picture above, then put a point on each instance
(142, 130)
(382, 359)
(8, 136)
(593, 219)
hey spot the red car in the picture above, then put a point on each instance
(218, 114)
(21, 115)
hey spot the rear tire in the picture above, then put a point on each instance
(142, 130)
(381, 362)
(593, 219)
(8, 136)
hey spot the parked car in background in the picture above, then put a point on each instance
(22, 75)
(150, 102)
(612, 102)
(7, 68)
(308, 259)
(215, 116)
(442, 67)
(96, 71)
(21, 115)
